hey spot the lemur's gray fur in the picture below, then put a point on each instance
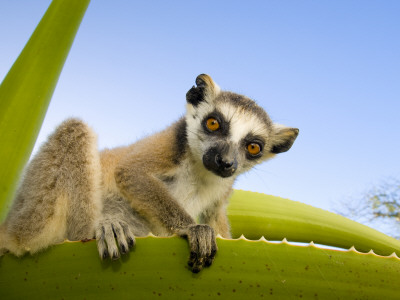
(177, 181)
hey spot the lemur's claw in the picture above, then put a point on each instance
(208, 261)
(105, 254)
(123, 249)
(196, 269)
(131, 243)
(115, 256)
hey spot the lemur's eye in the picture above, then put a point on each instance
(254, 148)
(212, 124)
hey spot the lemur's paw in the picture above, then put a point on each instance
(114, 237)
(203, 246)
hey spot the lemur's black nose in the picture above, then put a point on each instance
(220, 164)
(226, 165)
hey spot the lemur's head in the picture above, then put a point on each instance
(230, 133)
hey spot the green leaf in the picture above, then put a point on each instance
(277, 218)
(157, 267)
(27, 89)
(242, 269)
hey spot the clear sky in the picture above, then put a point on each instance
(330, 68)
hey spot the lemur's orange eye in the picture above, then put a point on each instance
(254, 148)
(212, 124)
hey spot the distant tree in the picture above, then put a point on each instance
(385, 201)
(378, 208)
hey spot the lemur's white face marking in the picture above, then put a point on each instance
(230, 133)
(242, 122)
(237, 129)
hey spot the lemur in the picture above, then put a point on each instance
(177, 181)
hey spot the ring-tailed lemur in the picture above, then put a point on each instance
(177, 181)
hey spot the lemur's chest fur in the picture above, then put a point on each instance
(195, 188)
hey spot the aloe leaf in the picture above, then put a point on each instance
(27, 89)
(255, 215)
(156, 268)
(242, 268)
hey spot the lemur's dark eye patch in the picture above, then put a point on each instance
(215, 124)
(212, 124)
(253, 145)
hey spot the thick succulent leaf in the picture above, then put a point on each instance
(156, 269)
(255, 215)
(26, 90)
(157, 266)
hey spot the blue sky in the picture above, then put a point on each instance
(330, 68)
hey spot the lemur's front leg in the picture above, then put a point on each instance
(216, 217)
(151, 199)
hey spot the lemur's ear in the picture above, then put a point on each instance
(206, 90)
(283, 138)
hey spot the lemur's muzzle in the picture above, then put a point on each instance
(220, 161)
